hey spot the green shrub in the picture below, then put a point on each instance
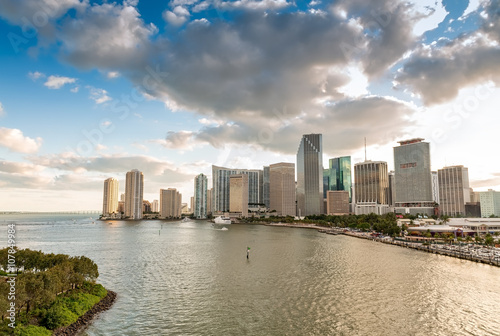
(59, 315)
(32, 330)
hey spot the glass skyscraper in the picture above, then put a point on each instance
(339, 175)
(310, 175)
(200, 196)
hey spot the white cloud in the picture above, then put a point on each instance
(35, 75)
(100, 96)
(2, 112)
(15, 141)
(56, 82)
(358, 83)
(113, 74)
(255, 5)
(75, 89)
(472, 7)
(176, 17)
(432, 12)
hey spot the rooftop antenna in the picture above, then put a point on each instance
(365, 149)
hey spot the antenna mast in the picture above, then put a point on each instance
(365, 149)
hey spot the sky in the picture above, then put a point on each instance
(93, 89)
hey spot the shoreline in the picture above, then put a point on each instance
(402, 243)
(86, 319)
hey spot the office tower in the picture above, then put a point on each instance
(339, 174)
(200, 196)
(337, 202)
(454, 190)
(412, 166)
(155, 206)
(134, 190)
(265, 187)
(490, 203)
(220, 184)
(435, 186)
(110, 197)
(170, 203)
(238, 200)
(390, 194)
(282, 188)
(310, 175)
(372, 187)
(209, 201)
(326, 181)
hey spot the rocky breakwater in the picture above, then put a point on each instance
(84, 320)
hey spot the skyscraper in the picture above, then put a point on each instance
(372, 187)
(155, 206)
(200, 196)
(134, 190)
(238, 194)
(220, 184)
(339, 175)
(310, 175)
(265, 187)
(170, 203)
(454, 190)
(110, 197)
(490, 203)
(282, 188)
(412, 177)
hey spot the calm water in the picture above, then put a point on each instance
(187, 278)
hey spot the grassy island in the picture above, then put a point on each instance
(47, 294)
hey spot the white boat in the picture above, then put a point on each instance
(222, 220)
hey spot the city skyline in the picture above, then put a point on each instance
(92, 90)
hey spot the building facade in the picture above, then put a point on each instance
(412, 177)
(454, 190)
(155, 206)
(339, 174)
(490, 203)
(282, 188)
(371, 187)
(310, 175)
(200, 196)
(134, 191)
(110, 197)
(220, 184)
(170, 203)
(337, 202)
(238, 200)
(265, 187)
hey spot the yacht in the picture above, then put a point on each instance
(222, 220)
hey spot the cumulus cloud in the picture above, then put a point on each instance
(57, 82)
(177, 17)
(18, 167)
(99, 96)
(344, 125)
(15, 141)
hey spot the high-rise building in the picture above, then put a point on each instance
(146, 206)
(265, 187)
(170, 203)
(155, 206)
(282, 188)
(412, 176)
(310, 175)
(110, 197)
(372, 187)
(454, 190)
(238, 199)
(200, 196)
(337, 202)
(490, 203)
(435, 186)
(134, 191)
(390, 194)
(339, 174)
(209, 201)
(220, 184)
(326, 181)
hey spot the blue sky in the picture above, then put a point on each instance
(100, 88)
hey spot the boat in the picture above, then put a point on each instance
(185, 219)
(222, 220)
